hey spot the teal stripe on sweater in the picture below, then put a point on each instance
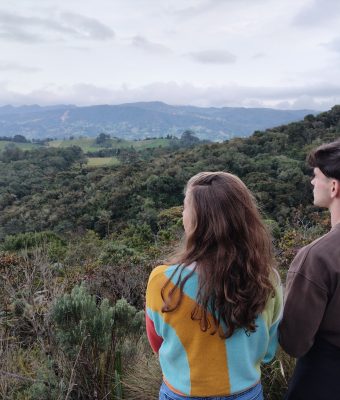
(172, 355)
(244, 352)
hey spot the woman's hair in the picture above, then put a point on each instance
(233, 254)
(327, 158)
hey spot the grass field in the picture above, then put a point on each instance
(94, 162)
(22, 146)
(89, 144)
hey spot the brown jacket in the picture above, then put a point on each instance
(312, 297)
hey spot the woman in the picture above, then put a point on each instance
(212, 315)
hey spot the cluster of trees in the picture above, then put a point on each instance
(51, 189)
(15, 139)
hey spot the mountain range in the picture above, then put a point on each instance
(140, 120)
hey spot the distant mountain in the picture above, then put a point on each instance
(140, 120)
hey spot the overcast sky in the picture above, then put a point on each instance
(251, 53)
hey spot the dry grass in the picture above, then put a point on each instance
(18, 366)
(275, 376)
(143, 378)
(28, 287)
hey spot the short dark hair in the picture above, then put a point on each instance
(327, 158)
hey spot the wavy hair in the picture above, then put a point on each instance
(232, 252)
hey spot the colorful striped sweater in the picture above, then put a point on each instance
(196, 363)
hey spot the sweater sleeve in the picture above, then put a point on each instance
(273, 328)
(305, 304)
(153, 305)
(154, 340)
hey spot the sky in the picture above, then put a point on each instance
(211, 53)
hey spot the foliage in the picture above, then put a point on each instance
(78, 244)
(275, 376)
(81, 324)
(95, 162)
(30, 239)
(91, 334)
(299, 233)
(52, 189)
(102, 139)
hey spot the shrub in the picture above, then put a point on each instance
(30, 239)
(85, 335)
(91, 335)
(81, 323)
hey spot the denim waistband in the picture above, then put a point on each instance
(254, 392)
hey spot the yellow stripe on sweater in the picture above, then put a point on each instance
(202, 348)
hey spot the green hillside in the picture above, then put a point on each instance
(21, 146)
(90, 145)
(72, 197)
(96, 162)
(77, 244)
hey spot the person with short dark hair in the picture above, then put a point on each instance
(212, 314)
(310, 327)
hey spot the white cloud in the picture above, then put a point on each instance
(85, 27)
(203, 52)
(152, 47)
(213, 57)
(316, 12)
(258, 56)
(319, 97)
(12, 67)
(333, 45)
(32, 29)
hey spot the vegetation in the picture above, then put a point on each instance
(102, 161)
(92, 145)
(78, 242)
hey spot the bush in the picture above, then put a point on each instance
(30, 239)
(91, 335)
(81, 324)
(85, 335)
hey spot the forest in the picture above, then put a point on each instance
(77, 243)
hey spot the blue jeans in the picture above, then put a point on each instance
(254, 393)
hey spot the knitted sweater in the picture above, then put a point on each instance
(197, 363)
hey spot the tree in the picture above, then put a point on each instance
(19, 139)
(189, 138)
(102, 138)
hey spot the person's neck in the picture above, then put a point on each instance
(335, 214)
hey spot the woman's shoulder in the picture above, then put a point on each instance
(158, 270)
(161, 271)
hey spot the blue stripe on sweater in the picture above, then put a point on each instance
(244, 352)
(172, 355)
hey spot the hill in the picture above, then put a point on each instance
(140, 120)
(77, 244)
(52, 188)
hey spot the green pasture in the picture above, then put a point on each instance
(21, 146)
(94, 162)
(86, 144)
(89, 144)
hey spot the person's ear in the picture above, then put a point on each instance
(335, 189)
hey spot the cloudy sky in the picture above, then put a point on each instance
(251, 53)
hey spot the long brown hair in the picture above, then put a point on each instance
(233, 254)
